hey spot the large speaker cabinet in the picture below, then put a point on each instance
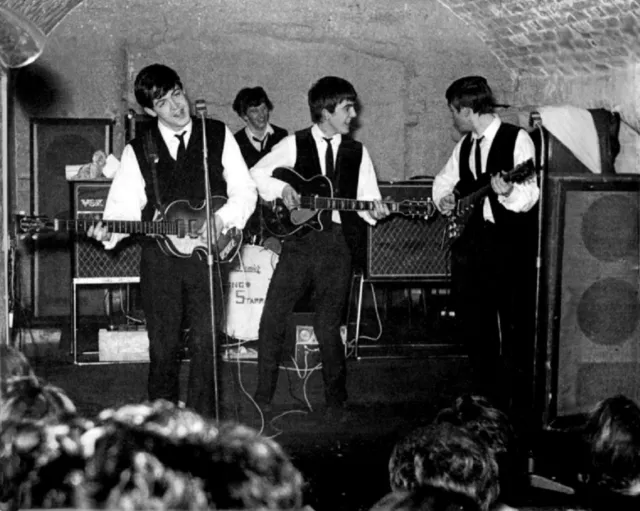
(56, 143)
(590, 311)
(405, 248)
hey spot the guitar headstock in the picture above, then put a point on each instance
(417, 208)
(31, 225)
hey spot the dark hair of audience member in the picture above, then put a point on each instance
(447, 456)
(14, 366)
(41, 462)
(28, 398)
(160, 456)
(426, 499)
(612, 455)
(483, 420)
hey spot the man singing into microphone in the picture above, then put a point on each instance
(175, 290)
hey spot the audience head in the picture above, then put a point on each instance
(41, 462)
(157, 455)
(426, 499)
(446, 456)
(327, 93)
(612, 435)
(471, 92)
(14, 366)
(33, 399)
(484, 421)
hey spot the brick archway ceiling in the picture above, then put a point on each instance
(46, 14)
(531, 37)
(566, 37)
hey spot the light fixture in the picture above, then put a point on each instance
(21, 41)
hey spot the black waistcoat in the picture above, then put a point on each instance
(188, 181)
(345, 183)
(500, 157)
(250, 154)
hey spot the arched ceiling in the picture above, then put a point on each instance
(567, 37)
(531, 37)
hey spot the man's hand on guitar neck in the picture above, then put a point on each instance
(290, 197)
(99, 232)
(380, 210)
(447, 204)
(500, 186)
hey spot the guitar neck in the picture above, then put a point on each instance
(118, 226)
(339, 204)
(508, 177)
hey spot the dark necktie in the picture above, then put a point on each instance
(328, 159)
(262, 142)
(478, 157)
(181, 147)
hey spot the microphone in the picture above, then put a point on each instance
(201, 107)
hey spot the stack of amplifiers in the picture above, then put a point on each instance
(91, 260)
(402, 248)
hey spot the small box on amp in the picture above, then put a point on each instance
(306, 351)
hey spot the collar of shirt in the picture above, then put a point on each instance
(489, 133)
(250, 135)
(170, 139)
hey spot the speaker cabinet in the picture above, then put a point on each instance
(405, 248)
(591, 310)
(56, 143)
(91, 260)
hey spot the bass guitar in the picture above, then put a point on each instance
(176, 230)
(316, 195)
(465, 204)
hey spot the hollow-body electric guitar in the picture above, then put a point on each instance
(316, 195)
(176, 230)
(465, 204)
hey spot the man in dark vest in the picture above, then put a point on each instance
(493, 259)
(317, 260)
(157, 168)
(256, 139)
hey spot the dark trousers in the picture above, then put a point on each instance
(320, 261)
(175, 297)
(493, 278)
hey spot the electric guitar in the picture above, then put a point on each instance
(465, 204)
(176, 230)
(316, 195)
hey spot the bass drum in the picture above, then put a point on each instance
(249, 280)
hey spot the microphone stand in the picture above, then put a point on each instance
(212, 236)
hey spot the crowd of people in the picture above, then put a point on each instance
(157, 455)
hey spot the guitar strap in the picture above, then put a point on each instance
(151, 154)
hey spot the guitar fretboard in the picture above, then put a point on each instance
(341, 204)
(122, 226)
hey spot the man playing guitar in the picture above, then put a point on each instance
(492, 263)
(158, 168)
(320, 260)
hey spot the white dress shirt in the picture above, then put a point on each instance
(127, 197)
(523, 196)
(284, 155)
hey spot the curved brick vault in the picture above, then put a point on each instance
(531, 37)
